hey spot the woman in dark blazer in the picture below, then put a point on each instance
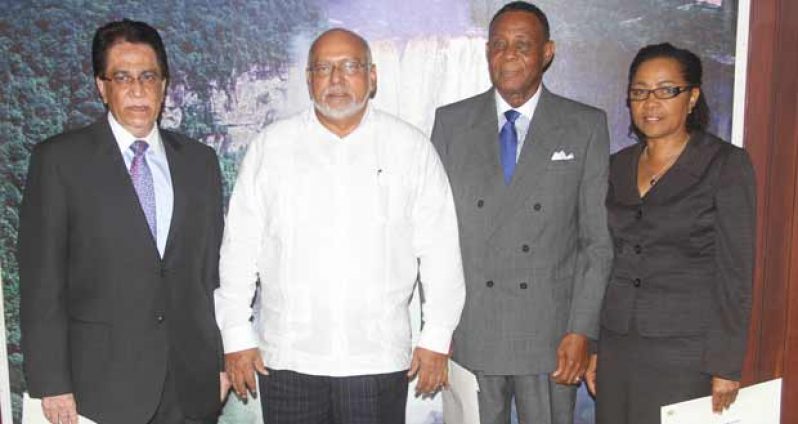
(681, 210)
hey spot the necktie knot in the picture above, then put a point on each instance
(512, 115)
(139, 147)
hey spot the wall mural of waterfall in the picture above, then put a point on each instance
(239, 65)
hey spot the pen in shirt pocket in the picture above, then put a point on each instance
(383, 197)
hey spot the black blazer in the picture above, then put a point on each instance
(102, 314)
(684, 252)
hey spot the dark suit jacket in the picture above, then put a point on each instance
(536, 253)
(684, 252)
(103, 316)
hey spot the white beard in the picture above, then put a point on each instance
(344, 112)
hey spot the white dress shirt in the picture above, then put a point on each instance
(161, 178)
(527, 111)
(338, 230)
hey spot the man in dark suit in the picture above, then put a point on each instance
(119, 238)
(528, 170)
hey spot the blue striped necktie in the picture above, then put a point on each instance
(508, 140)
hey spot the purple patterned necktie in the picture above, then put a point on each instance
(142, 182)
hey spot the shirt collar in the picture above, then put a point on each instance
(124, 139)
(527, 109)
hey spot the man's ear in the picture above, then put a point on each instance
(549, 50)
(373, 80)
(309, 82)
(101, 87)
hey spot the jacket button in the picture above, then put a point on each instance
(160, 318)
(480, 203)
(639, 214)
(525, 248)
(638, 249)
(537, 207)
(489, 283)
(523, 286)
(636, 282)
(163, 272)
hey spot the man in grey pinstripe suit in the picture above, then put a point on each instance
(529, 174)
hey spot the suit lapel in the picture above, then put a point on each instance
(480, 139)
(178, 171)
(688, 169)
(541, 140)
(477, 156)
(120, 186)
(623, 176)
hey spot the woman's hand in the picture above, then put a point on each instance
(724, 392)
(590, 374)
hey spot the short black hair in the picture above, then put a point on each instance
(522, 6)
(126, 30)
(692, 72)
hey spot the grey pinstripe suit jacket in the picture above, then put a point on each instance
(536, 253)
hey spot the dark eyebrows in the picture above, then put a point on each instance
(657, 84)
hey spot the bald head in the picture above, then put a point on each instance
(341, 78)
(339, 36)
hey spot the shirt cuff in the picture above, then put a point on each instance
(239, 338)
(435, 338)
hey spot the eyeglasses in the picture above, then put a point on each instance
(147, 79)
(348, 67)
(662, 93)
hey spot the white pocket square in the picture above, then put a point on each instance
(561, 155)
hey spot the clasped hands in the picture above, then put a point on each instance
(572, 359)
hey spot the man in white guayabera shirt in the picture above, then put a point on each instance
(337, 211)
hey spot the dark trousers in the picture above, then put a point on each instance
(638, 375)
(169, 410)
(289, 397)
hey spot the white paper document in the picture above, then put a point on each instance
(757, 404)
(32, 412)
(460, 404)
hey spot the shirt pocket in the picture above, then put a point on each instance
(394, 198)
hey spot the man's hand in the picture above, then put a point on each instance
(590, 374)
(224, 386)
(240, 368)
(724, 393)
(60, 409)
(432, 369)
(571, 359)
